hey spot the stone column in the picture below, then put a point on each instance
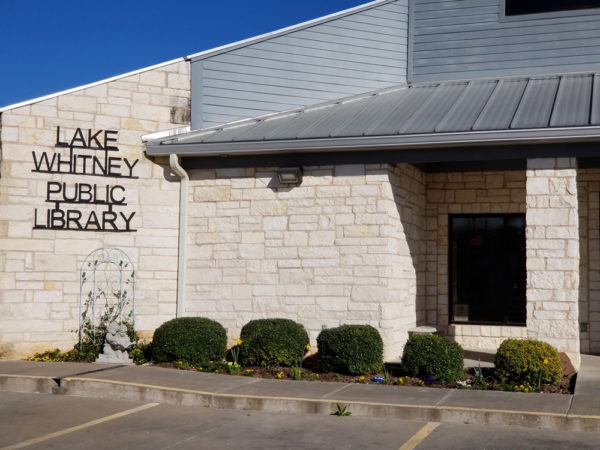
(553, 254)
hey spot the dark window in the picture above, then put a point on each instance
(517, 7)
(487, 268)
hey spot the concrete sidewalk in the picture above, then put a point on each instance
(578, 412)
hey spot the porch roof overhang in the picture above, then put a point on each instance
(470, 120)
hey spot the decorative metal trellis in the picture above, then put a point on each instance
(106, 292)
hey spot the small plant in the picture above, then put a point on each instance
(337, 377)
(296, 371)
(464, 384)
(387, 376)
(49, 356)
(430, 354)
(279, 375)
(527, 362)
(399, 381)
(183, 365)
(523, 388)
(235, 351)
(342, 410)
(272, 342)
(141, 353)
(313, 377)
(479, 372)
(352, 349)
(215, 367)
(233, 368)
(539, 377)
(248, 372)
(195, 340)
(361, 379)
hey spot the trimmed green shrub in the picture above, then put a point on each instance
(351, 349)
(193, 340)
(272, 342)
(527, 361)
(426, 355)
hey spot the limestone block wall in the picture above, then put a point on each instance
(553, 254)
(465, 193)
(39, 268)
(588, 190)
(335, 250)
(409, 194)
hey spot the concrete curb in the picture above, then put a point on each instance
(28, 384)
(119, 390)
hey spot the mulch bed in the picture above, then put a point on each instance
(310, 373)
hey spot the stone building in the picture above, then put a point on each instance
(402, 163)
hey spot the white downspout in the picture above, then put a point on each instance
(183, 201)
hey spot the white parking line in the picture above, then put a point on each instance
(79, 427)
(419, 436)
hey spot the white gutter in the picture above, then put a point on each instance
(183, 201)
(165, 133)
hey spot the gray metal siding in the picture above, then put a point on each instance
(456, 39)
(356, 53)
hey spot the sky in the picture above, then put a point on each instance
(47, 46)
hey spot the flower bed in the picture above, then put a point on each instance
(393, 375)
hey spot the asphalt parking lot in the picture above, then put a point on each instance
(46, 421)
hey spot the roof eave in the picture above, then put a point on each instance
(394, 142)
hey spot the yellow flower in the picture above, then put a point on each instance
(239, 341)
(525, 390)
(179, 362)
(362, 378)
(545, 360)
(280, 375)
(316, 375)
(401, 380)
(522, 387)
(307, 346)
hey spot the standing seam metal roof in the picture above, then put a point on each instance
(503, 104)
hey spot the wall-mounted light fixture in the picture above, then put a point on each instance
(289, 175)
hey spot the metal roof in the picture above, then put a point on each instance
(516, 109)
